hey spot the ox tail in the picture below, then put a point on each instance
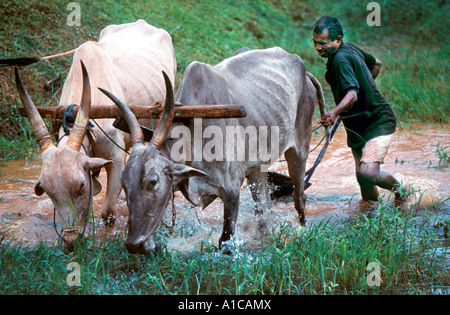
(283, 183)
(319, 92)
(322, 108)
(25, 61)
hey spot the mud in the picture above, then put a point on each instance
(334, 194)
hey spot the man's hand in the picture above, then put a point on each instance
(329, 119)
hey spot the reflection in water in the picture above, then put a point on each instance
(334, 194)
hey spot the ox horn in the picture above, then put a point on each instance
(162, 131)
(40, 130)
(137, 136)
(81, 122)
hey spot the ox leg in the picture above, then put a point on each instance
(230, 213)
(296, 165)
(107, 149)
(260, 194)
(258, 187)
(112, 192)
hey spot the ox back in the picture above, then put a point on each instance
(279, 99)
(128, 60)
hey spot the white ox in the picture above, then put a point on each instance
(128, 59)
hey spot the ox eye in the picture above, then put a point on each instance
(82, 186)
(151, 183)
(79, 189)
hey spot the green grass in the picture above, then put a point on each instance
(416, 84)
(411, 42)
(325, 258)
(443, 154)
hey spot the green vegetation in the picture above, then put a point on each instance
(443, 154)
(411, 42)
(325, 258)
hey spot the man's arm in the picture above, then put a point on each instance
(376, 68)
(330, 117)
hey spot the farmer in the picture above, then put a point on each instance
(368, 119)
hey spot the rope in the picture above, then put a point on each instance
(174, 213)
(110, 139)
(322, 152)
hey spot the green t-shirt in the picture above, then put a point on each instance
(371, 116)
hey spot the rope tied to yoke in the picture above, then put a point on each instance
(174, 213)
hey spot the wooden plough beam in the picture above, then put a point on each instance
(155, 110)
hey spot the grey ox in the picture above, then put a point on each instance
(128, 60)
(279, 98)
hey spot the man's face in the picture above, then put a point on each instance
(324, 46)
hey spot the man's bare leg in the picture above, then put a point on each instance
(370, 176)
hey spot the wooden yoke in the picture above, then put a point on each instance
(155, 110)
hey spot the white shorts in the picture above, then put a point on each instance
(375, 150)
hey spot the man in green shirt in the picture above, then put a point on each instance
(368, 119)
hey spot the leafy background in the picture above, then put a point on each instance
(412, 42)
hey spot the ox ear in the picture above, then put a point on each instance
(182, 172)
(97, 186)
(94, 164)
(38, 190)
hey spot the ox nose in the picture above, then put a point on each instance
(134, 248)
(139, 246)
(70, 239)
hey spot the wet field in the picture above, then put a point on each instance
(334, 194)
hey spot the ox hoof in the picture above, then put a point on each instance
(231, 247)
(226, 248)
(303, 222)
(109, 219)
(71, 239)
(226, 251)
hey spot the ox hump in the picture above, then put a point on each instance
(203, 84)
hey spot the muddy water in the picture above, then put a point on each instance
(334, 194)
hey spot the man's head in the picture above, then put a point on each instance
(327, 36)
